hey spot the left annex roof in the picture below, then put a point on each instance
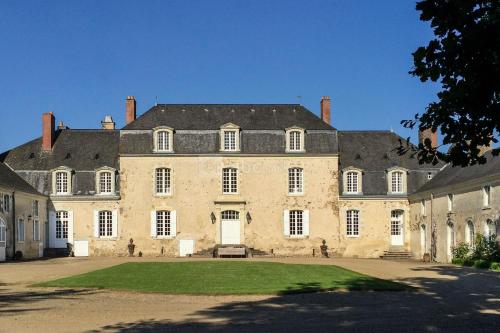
(11, 180)
(73, 148)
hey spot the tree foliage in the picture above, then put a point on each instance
(464, 58)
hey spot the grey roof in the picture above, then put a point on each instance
(80, 150)
(11, 180)
(456, 175)
(213, 116)
(375, 152)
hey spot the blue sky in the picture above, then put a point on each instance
(80, 59)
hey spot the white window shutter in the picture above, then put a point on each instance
(114, 232)
(305, 222)
(96, 223)
(286, 222)
(70, 226)
(52, 229)
(173, 223)
(153, 223)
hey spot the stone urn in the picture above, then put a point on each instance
(324, 249)
(131, 247)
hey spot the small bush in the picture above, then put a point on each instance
(495, 266)
(480, 263)
(468, 262)
(461, 251)
(486, 248)
(458, 261)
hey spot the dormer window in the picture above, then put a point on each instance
(230, 137)
(163, 140)
(396, 181)
(61, 181)
(352, 181)
(295, 140)
(105, 181)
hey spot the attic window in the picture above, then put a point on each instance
(32, 155)
(230, 138)
(295, 140)
(163, 140)
(357, 157)
(96, 157)
(68, 156)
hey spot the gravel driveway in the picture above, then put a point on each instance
(450, 299)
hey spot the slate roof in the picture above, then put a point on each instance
(376, 151)
(213, 116)
(456, 175)
(9, 179)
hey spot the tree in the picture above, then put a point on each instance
(464, 58)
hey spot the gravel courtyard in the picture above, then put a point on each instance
(449, 298)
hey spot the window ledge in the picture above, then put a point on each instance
(295, 151)
(296, 194)
(297, 237)
(486, 208)
(164, 237)
(163, 151)
(352, 236)
(162, 195)
(106, 238)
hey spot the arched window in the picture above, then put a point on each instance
(489, 228)
(469, 233)
(396, 180)
(62, 182)
(163, 140)
(295, 181)
(295, 140)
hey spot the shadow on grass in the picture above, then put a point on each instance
(462, 300)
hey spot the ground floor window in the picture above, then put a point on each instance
(20, 230)
(352, 219)
(489, 228)
(36, 230)
(469, 233)
(163, 226)
(2, 233)
(105, 223)
(296, 223)
(62, 224)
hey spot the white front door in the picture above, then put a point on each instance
(186, 247)
(230, 227)
(3, 240)
(397, 227)
(61, 225)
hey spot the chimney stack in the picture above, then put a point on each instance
(130, 109)
(48, 129)
(429, 134)
(325, 109)
(108, 123)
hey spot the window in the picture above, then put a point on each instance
(295, 181)
(352, 182)
(62, 182)
(229, 140)
(163, 181)
(35, 208)
(486, 196)
(163, 140)
(450, 202)
(20, 230)
(6, 203)
(469, 233)
(294, 139)
(397, 182)
(36, 230)
(429, 175)
(352, 219)
(296, 223)
(231, 215)
(2, 233)
(105, 181)
(163, 223)
(62, 218)
(422, 208)
(229, 180)
(105, 223)
(489, 228)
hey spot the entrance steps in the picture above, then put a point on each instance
(231, 251)
(397, 253)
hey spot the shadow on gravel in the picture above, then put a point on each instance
(468, 302)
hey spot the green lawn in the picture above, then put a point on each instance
(224, 277)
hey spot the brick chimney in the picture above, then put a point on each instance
(48, 128)
(130, 109)
(108, 123)
(325, 109)
(428, 134)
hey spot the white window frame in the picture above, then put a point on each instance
(470, 233)
(21, 226)
(166, 135)
(105, 224)
(393, 188)
(61, 171)
(36, 230)
(36, 208)
(163, 181)
(292, 134)
(289, 217)
(296, 181)
(450, 199)
(98, 185)
(62, 220)
(352, 223)
(486, 196)
(229, 129)
(359, 181)
(172, 222)
(230, 180)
